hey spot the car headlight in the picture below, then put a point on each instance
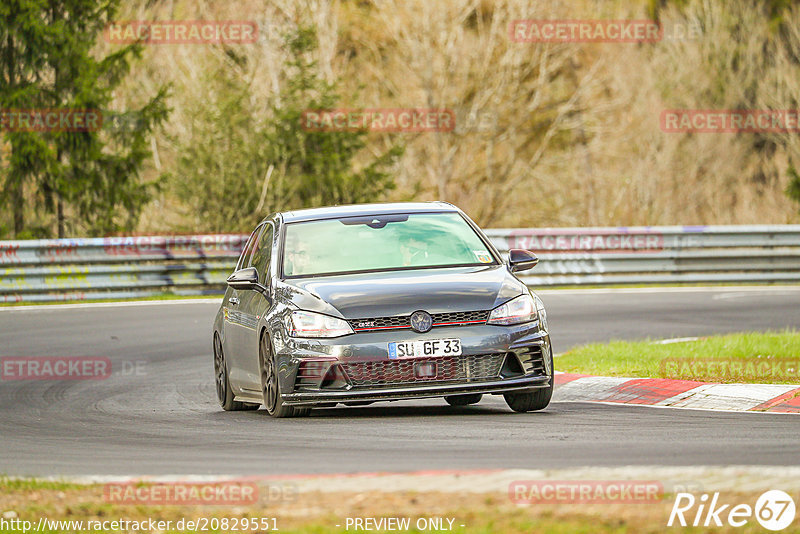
(310, 324)
(521, 309)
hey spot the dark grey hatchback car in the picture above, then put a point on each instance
(378, 302)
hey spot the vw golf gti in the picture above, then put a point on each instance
(378, 302)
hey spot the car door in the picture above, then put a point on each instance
(236, 323)
(254, 304)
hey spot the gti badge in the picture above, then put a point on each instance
(421, 321)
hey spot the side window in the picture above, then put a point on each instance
(263, 252)
(247, 252)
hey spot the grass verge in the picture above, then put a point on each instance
(327, 512)
(751, 357)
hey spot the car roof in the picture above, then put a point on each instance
(356, 210)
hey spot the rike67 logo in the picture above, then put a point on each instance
(774, 510)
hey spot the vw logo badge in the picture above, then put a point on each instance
(421, 321)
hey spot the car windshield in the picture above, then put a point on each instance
(381, 242)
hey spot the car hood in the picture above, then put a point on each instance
(392, 293)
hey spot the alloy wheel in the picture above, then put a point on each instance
(220, 370)
(269, 378)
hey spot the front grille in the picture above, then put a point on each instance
(369, 324)
(441, 319)
(402, 372)
(380, 323)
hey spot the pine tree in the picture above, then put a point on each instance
(90, 176)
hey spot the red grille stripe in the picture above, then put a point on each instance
(407, 326)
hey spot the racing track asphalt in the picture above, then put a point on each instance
(162, 417)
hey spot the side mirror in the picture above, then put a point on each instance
(521, 260)
(244, 279)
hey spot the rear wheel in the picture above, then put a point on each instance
(270, 385)
(224, 393)
(463, 400)
(537, 399)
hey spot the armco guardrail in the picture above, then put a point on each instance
(116, 267)
(129, 267)
(658, 254)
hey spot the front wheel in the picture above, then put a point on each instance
(270, 385)
(224, 393)
(537, 399)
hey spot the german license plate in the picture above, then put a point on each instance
(428, 348)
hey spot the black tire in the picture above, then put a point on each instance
(270, 385)
(223, 386)
(537, 399)
(463, 400)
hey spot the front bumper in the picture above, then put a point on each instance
(417, 392)
(521, 357)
